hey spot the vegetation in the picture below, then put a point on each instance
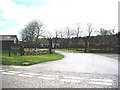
(29, 59)
(72, 50)
(106, 40)
(31, 33)
(92, 50)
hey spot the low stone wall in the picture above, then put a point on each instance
(36, 52)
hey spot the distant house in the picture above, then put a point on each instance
(8, 41)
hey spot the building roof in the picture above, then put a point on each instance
(7, 37)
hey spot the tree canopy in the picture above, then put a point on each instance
(32, 31)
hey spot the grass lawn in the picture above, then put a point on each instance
(30, 59)
(103, 53)
(93, 50)
(72, 50)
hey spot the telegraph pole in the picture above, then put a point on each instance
(50, 45)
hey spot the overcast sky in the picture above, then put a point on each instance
(57, 14)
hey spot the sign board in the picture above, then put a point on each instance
(15, 47)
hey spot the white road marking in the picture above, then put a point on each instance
(8, 73)
(69, 80)
(2, 70)
(50, 76)
(46, 78)
(74, 78)
(14, 72)
(101, 83)
(31, 73)
(5, 69)
(23, 75)
(102, 80)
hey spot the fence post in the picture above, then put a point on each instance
(9, 53)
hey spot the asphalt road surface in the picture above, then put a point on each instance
(76, 70)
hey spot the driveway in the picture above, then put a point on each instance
(76, 70)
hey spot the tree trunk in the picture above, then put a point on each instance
(68, 44)
(87, 45)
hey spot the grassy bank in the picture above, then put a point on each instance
(29, 60)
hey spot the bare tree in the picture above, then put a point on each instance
(59, 37)
(61, 33)
(69, 33)
(113, 30)
(48, 35)
(87, 41)
(39, 30)
(77, 31)
(90, 29)
(57, 34)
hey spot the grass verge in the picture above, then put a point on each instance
(29, 60)
(94, 51)
(72, 50)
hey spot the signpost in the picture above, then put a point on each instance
(16, 49)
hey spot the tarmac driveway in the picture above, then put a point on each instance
(76, 70)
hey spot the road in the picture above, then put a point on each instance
(76, 70)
